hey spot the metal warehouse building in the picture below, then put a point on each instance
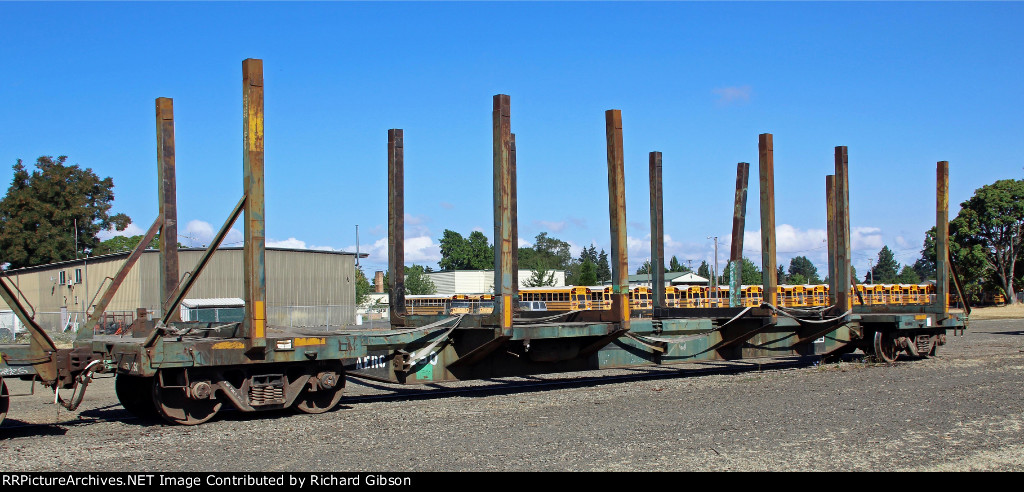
(304, 287)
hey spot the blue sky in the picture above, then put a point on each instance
(903, 85)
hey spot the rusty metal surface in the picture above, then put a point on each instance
(830, 219)
(182, 290)
(739, 216)
(446, 348)
(657, 231)
(167, 195)
(255, 278)
(617, 217)
(959, 286)
(40, 350)
(766, 170)
(844, 280)
(96, 315)
(515, 223)
(504, 290)
(942, 236)
(396, 225)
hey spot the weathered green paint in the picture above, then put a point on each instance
(942, 236)
(167, 194)
(254, 262)
(739, 217)
(766, 170)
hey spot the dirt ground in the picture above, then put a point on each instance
(1014, 311)
(960, 411)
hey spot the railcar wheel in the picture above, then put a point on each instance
(5, 400)
(136, 395)
(177, 408)
(329, 386)
(885, 347)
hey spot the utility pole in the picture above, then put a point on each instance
(714, 273)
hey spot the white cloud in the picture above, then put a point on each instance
(131, 230)
(199, 233)
(789, 240)
(866, 238)
(734, 94)
(550, 226)
(415, 225)
(421, 250)
(287, 243)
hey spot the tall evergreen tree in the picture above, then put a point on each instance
(675, 266)
(802, 266)
(908, 276)
(39, 213)
(588, 273)
(604, 271)
(704, 270)
(886, 269)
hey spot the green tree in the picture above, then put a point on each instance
(750, 274)
(547, 253)
(675, 266)
(417, 282)
(604, 271)
(924, 268)
(991, 226)
(885, 270)
(125, 243)
(540, 278)
(646, 268)
(588, 273)
(39, 213)
(363, 287)
(459, 253)
(802, 266)
(704, 270)
(575, 270)
(908, 276)
(454, 252)
(481, 252)
(780, 276)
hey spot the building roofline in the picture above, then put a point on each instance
(118, 254)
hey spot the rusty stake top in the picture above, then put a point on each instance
(504, 247)
(254, 247)
(396, 225)
(167, 194)
(766, 168)
(617, 217)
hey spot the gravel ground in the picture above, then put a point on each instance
(961, 411)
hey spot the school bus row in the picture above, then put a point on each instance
(577, 298)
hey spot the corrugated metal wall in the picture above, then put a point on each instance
(294, 278)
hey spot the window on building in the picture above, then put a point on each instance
(78, 275)
(63, 278)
